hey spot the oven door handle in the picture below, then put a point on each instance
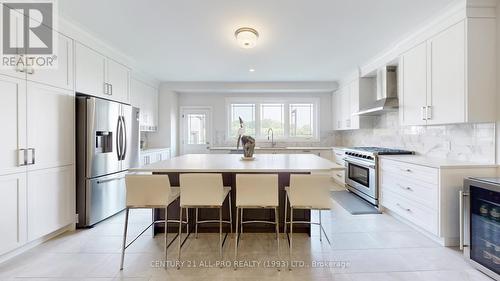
(364, 164)
(461, 219)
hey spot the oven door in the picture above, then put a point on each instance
(361, 179)
(480, 233)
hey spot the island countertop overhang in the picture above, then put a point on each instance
(263, 163)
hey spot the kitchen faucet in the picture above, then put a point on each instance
(273, 144)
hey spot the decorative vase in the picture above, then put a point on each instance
(248, 144)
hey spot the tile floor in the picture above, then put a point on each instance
(364, 247)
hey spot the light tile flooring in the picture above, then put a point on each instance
(373, 247)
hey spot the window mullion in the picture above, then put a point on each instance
(286, 112)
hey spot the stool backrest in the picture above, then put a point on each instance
(310, 190)
(257, 190)
(201, 189)
(147, 190)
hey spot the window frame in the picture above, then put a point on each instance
(286, 117)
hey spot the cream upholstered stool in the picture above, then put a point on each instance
(307, 192)
(204, 191)
(255, 192)
(148, 192)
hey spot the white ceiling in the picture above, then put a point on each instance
(300, 40)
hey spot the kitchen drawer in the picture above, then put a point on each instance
(410, 171)
(416, 213)
(421, 192)
(339, 176)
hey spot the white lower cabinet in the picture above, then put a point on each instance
(426, 197)
(50, 198)
(13, 233)
(150, 156)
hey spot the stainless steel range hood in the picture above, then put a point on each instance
(387, 93)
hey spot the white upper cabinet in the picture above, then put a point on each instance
(346, 104)
(145, 97)
(89, 71)
(60, 76)
(13, 113)
(446, 98)
(50, 126)
(451, 78)
(118, 77)
(413, 75)
(100, 76)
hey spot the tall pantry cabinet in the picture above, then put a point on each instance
(37, 150)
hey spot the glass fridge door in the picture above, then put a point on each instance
(485, 228)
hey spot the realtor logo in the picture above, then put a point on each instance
(28, 35)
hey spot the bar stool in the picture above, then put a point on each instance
(256, 192)
(307, 192)
(204, 191)
(149, 192)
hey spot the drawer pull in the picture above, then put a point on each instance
(406, 209)
(406, 187)
(339, 175)
(406, 170)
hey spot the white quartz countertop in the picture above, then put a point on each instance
(275, 148)
(436, 162)
(155, 149)
(233, 163)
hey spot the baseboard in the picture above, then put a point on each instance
(443, 241)
(34, 243)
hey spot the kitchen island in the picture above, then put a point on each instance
(231, 164)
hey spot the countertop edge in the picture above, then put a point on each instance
(434, 162)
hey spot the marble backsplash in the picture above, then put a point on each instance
(463, 142)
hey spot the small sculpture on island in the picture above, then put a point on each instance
(247, 142)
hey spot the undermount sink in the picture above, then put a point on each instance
(271, 148)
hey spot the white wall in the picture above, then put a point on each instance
(218, 104)
(168, 115)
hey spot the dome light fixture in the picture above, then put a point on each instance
(246, 37)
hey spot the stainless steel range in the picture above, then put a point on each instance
(362, 170)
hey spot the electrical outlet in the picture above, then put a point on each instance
(447, 145)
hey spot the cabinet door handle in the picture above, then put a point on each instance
(424, 113)
(21, 62)
(23, 154)
(110, 89)
(32, 156)
(31, 70)
(428, 112)
(105, 85)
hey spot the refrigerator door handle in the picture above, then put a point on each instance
(124, 134)
(118, 138)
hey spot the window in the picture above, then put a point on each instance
(272, 117)
(247, 114)
(293, 119)
(301, 120)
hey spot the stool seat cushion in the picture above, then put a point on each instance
(308, 202)
(257, 190)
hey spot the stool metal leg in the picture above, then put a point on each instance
(230, 213)
(124, 238)
(320, 227)
(241, 222)
(166, 232)
(236, 237)
(291, 238)
(277, 232)
(196, 225)
(187, 221)
(220, 233)
(180, 240)
(286, 207)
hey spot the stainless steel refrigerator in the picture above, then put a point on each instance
(107, 142)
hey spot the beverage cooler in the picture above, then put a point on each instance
(480, 224)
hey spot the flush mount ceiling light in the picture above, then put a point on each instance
(251, 70)
(246, 37)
